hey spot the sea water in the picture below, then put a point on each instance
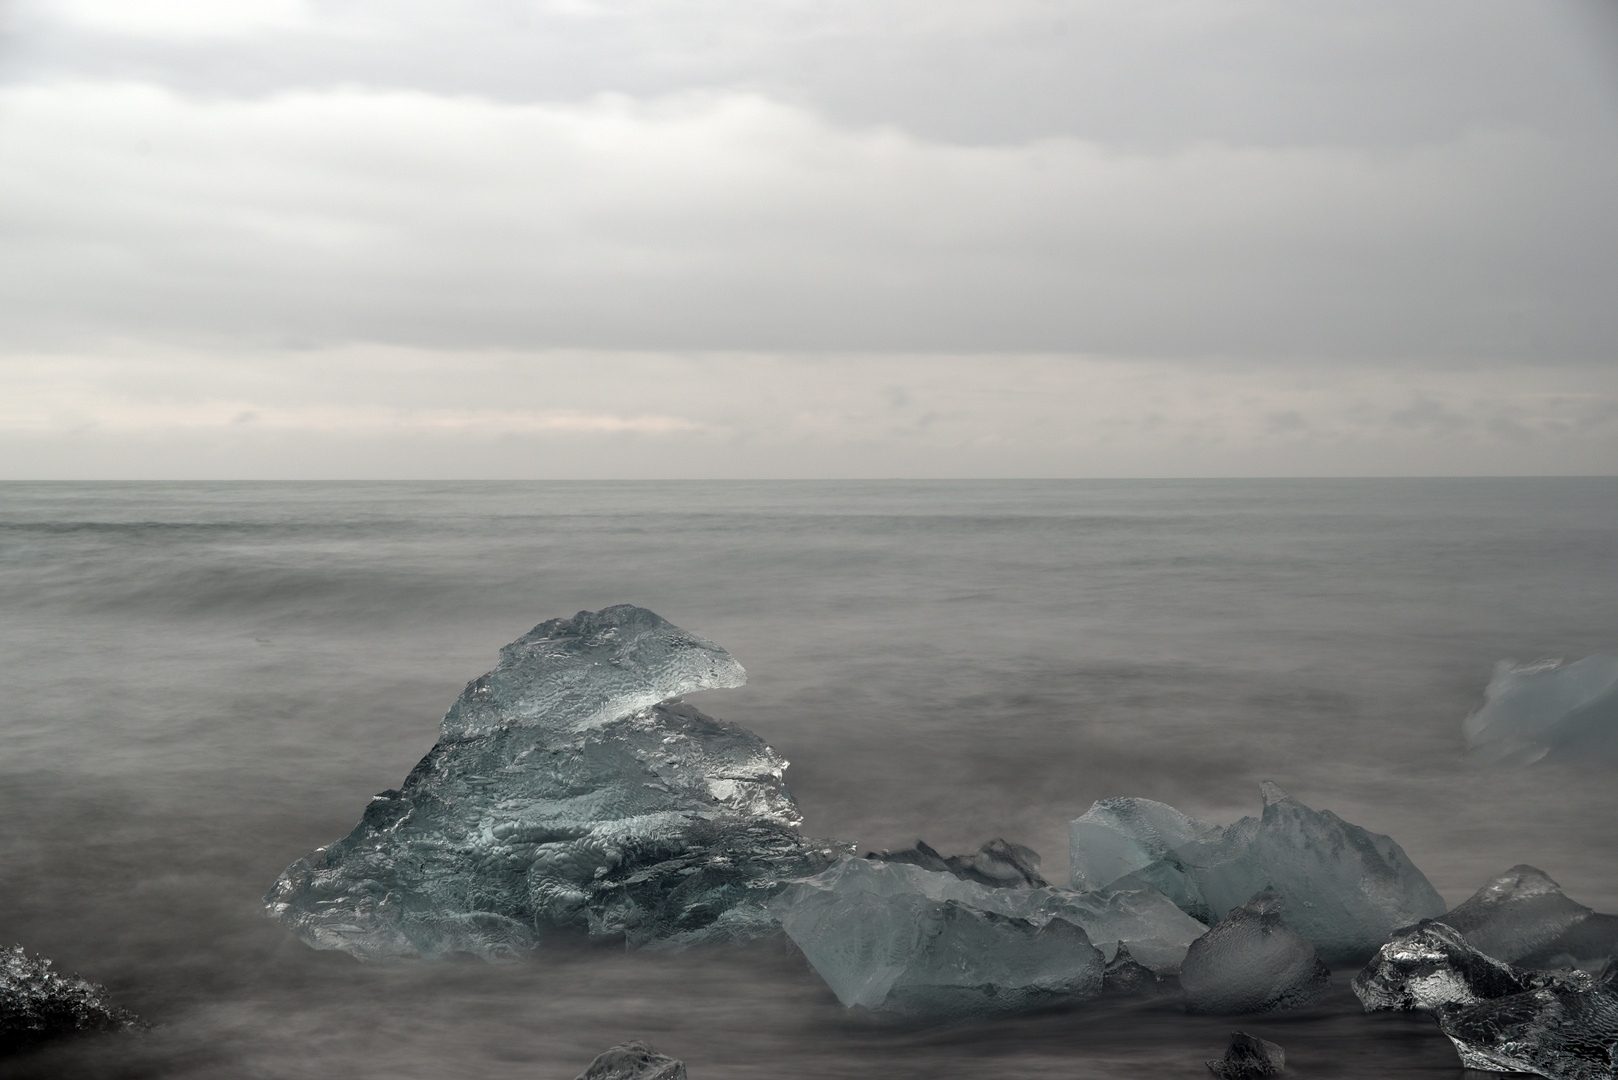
(201, 682)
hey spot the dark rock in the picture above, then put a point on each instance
(998, 864)
(37, 1003)
(1249, 1056)
(634, 1060)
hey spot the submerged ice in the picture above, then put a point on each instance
(569, 788)
(1346, 888)
(1548, 709)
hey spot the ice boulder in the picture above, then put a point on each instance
(1347, 888)
(1431, 966)
(633, 1060)
(1524, 918)
(1548, 710)
(1565, 1031)
(1249, 1057)
(1251, 962)
(570, 790)
(37, 1003)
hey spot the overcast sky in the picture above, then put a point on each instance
(557, 238)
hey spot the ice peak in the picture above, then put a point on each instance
(1272, 793)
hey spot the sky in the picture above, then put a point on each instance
(807, 238)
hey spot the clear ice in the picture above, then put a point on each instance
(1548, 709)
(1431, 966)
(633, 1060)
(895, 937)
(1523, 917)
(569, 789)
(1347, 888)
(1252, 962)
(38, 1003)
(1564, 1031)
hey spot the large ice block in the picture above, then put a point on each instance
(895, 937)
(1251, 962)
(1548, 710)
(1347, 888)
(570, 790)
(38, 1003)
(1524, 918)
(1564, 1031)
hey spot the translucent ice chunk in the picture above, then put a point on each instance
(1548, 709)
(1251, 962)
(568, 789)
(1347, 888)
(1524, 918)
(1431, 966)
(1124, 976)
(896, 937)
(633, 1060)
(37, 1003)
(1564, 1031)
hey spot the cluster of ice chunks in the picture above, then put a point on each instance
(569, 788)
(1346, 888)
(895, 936)
(1252, 962)
(38, 1003)
(1502, 974)
(1548, 710)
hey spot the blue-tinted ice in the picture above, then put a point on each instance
(1346, 888)
(569, 789)
(1548, 710)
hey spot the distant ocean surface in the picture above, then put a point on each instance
(199, 683)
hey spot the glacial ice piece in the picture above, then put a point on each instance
(37, 1003)
(1347, 888)
(1548, 710)
(999, 864)
(569, 789)
(1249, 1057)
(1524, 918)
(1430, 966)
(1251, 962)
(1564, 1031)
(895, 937)
(633, 1060)
(1124, 976)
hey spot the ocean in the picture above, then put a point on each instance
(199, 683)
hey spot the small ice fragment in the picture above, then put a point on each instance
(1430, 966)
(1524, 918)
(1347, 888)
(633, 1060)
(1547, 710)
(37, 1003)
(1249, 1057)
(999, 864)
(1565, 1031)
(1251, 962)
(1124, 976)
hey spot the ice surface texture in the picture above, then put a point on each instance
(37, 1003)
(999, 863)
(1523, 917)
(1346, 889)
(633, 1060)
(895, 937)
(568, 790)
(1507, 1019)
(1548, 710)
(1249, 1058)
(1251, 962)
